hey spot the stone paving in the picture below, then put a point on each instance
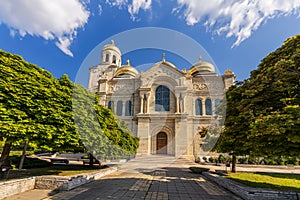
(152, 177)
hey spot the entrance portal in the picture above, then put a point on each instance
(161, 143)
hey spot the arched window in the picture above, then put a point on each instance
(110, 105)
(217, 103)
(119, 108)
(162, 98)
(208, 107)
(198, 107)
(107, 57)
(114, 60)
(128, 111)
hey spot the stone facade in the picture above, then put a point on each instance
(164, 106)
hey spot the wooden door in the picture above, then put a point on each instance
(161, 144)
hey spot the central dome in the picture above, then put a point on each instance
(126, 71)
(201, 68)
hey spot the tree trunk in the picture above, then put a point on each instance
(23, 155)
(5, 152)
(233, 169)
(91, 159)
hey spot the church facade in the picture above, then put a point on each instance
(165, 107)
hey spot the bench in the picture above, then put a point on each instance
(59, 161)
(87, 161)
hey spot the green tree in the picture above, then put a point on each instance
(38, 108)
(263, 111)
(34, 106)
(99, 129)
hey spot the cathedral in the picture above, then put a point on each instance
(164, 106)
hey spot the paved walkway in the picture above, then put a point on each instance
(153, 177)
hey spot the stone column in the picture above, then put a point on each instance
(213, 107)
(177, 103)
(123, 108)
(183, 104)
(142, 104)
(203, 107)
(147, 102)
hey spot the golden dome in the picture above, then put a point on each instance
(228, 72)
(112, 46)
(126, 70)
(201, 67)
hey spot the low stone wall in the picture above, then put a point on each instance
(11, 187)
(249, 193)
(62, 183)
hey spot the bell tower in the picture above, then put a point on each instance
(111, 55)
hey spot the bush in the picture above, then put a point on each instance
(205, 159)
(210, 159)
(221, 159)
(228, 159)
(243, 160)
(280, 161)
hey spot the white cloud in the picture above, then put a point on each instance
(136, 5)
(235, 18)
(133, 8)
(52, 20)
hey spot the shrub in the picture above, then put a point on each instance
(242, 160)
(221, 159)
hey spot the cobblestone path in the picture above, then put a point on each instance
(153, 177)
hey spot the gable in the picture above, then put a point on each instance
(159, 70)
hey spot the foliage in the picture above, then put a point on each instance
(263, 113)
(99, 129)
(37, 107)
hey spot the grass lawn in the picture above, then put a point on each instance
(58, 170)
(267, 180)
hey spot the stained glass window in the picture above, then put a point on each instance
(208, 107)
(198, 107)
(162, 98)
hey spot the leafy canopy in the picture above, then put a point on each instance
(37, 107)
(263, 114)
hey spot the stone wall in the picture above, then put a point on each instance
(249, 193)
(12, 187)
(62, 183)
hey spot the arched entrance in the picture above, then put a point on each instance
(161, 143)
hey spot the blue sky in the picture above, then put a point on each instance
(58, 35)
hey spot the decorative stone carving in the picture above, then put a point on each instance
(199, 86)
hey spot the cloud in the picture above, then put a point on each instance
(133, 8)
(52, 20)
(235, 18)
(136, 5)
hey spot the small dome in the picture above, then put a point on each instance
(201, 68)
(111, 46)
(126, 71)
(228, 72)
